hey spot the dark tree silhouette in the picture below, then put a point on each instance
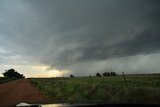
(113, 74)
(98, 75)
(71, 75)
(106, 74)
(109, 74)
(11, 73)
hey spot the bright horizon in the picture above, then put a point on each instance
(34, 71)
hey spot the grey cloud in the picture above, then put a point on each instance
(145, 42)
(64, 33)
(129, 64)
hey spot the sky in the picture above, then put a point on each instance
(49, 38)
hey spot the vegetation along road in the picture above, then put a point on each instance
(109, 89)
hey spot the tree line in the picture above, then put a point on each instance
(100, 75)
(106, 74)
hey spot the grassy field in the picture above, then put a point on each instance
(140, 89)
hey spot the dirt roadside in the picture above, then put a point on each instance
(14, 92)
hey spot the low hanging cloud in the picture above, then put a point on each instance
(81, 36)
(145, 42)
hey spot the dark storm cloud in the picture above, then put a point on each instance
(145, 42)
(64, 33)
(143, 38)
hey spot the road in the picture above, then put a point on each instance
(17, 91)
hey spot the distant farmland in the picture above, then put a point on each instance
(112, 89)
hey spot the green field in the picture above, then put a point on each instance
(140, 89)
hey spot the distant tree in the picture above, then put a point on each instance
(11, 73)
(113, 74)
(109, 74)
(71, 75)
(98, 75)
(105, 74)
